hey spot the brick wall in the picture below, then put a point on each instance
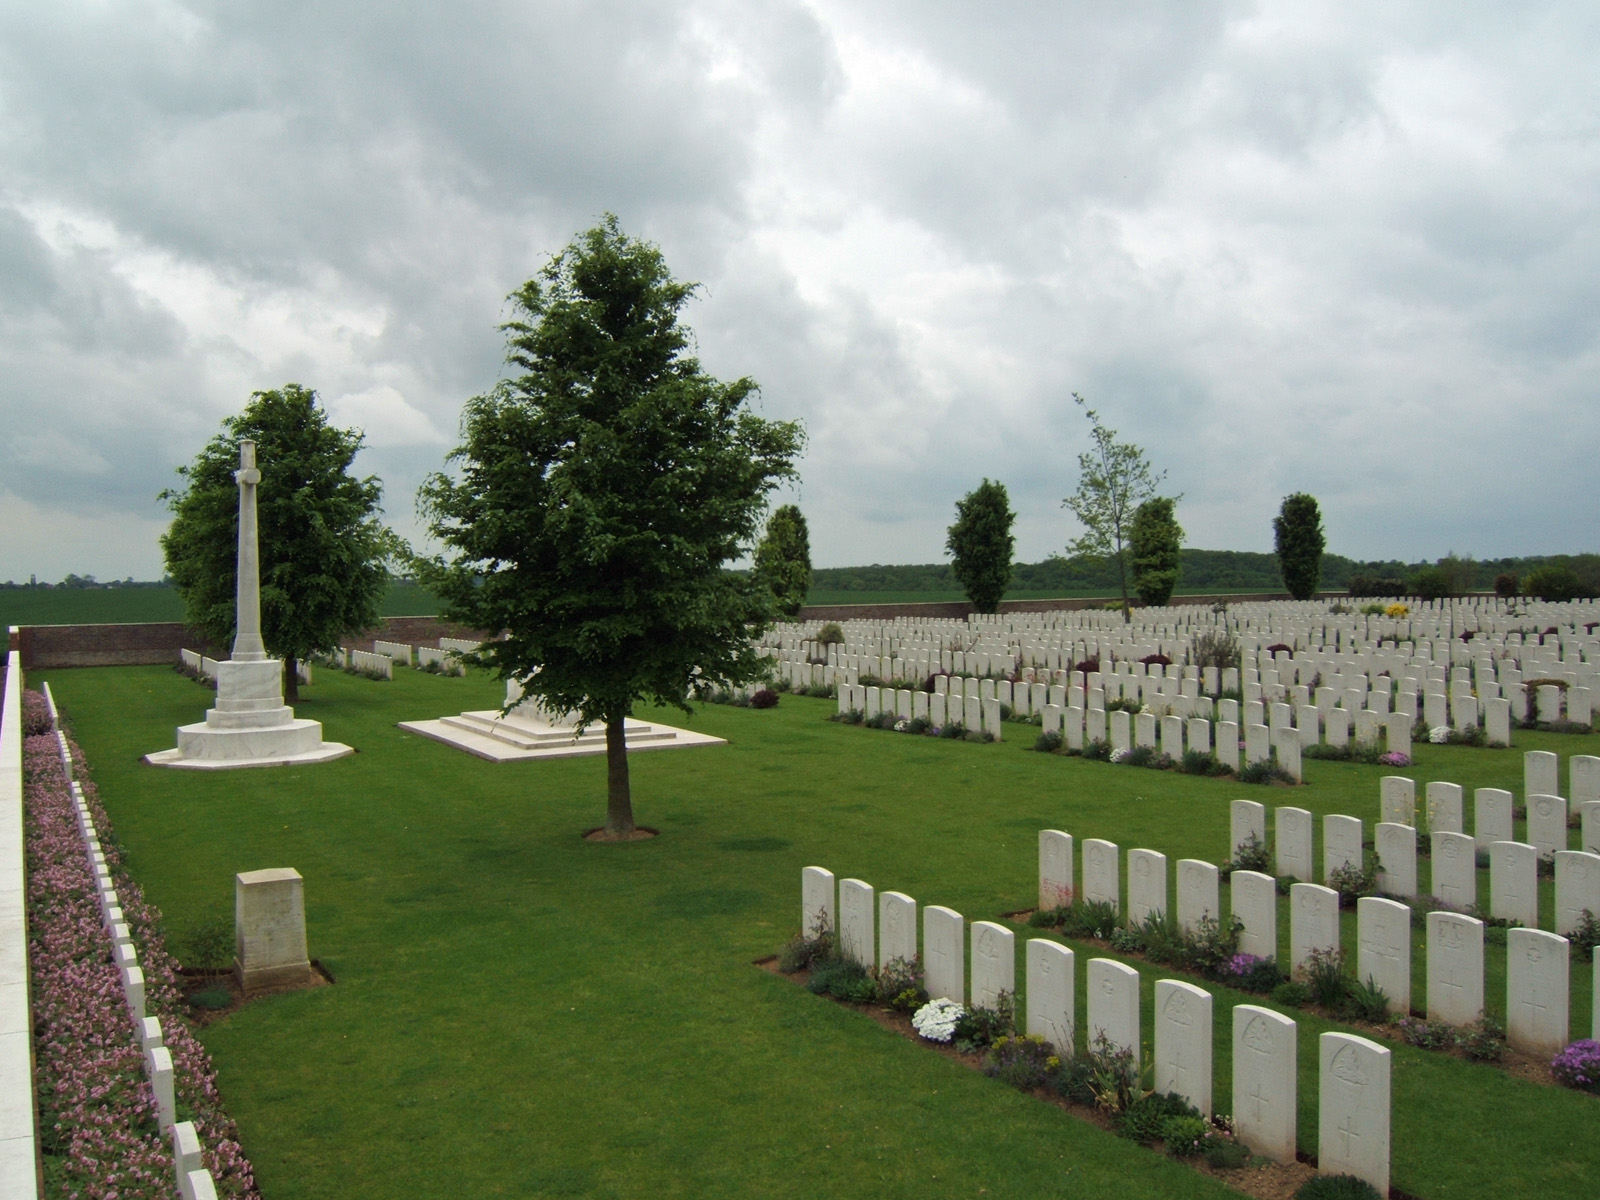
(958, 609)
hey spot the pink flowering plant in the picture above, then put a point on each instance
(98, 1122)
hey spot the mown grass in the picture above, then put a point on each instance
(118, 606)
(521, 1013)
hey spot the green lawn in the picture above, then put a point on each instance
(117, 606)
(521, 1013)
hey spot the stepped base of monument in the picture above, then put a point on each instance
(203, 747)
(511, 739)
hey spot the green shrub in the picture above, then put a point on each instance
(1196, 762)
(1483, 1040)
(830, 635)
(1184, 1137)
(955, 729)
(212, 999)
(1265, 771)
(981, 1027)
(900, 985)
(1364, 1001)
(208, 945)
(1099, 750)
(1226, 1154)
(1089, 918)
(1107, 1074)
(1048, 743)
(1586, 936)
(1250, 855)
(1354, 880)
(1291, 994)
(843, 980)
(1336, 1187)
(1325, 979)
(806, 950)
(1146, 1118)
(1024, 1062)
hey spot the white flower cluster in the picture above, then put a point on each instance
(900, 726)
(1121, 755)
(936, 1020)
(1439, 735)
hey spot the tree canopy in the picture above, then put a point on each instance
(324, 551)
(1113, 480)
(1156, 541)
(783, 559)
(1299, 542)
(598, 495)
(981, 545)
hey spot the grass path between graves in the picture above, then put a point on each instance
(520, 1013)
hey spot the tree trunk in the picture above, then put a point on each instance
(1122, 577)
(619, 799)
(291, 679)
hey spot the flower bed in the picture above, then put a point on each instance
(98, 1128)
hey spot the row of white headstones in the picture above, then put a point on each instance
(1354, 1087)
(194, 1181)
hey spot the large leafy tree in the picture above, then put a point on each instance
(1113, 480)
(783, 559)
(324, 551)
(1299, 542)
(1156, 542)
(981, 545)
(599, 495)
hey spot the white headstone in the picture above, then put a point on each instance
(1197, 893)
(1292, 830)
(1541, 773)
(1055, 868)
(1257, 744)
(944, 968)
(1547, 824)
(897, 921)
(1052, 994)
(1354, 1109)
(1101, 881)
(1183, 1042)
(817, 912)
(1445, 808)
(1313, 922)
(1383, 953)
(856, 928)
(1227, 747)
(1491, 816)
(1455, 870)
(1497, 720)
(1583, 775)
(1255, 902)
(1113, 994)
(1246, 818)
(1455, 968)
(1577, 889)
(1265, 1070)
(1513, 883)
(1147, 885)
(270, 929)
(1398, 799)
(994, 964)
(1341, 843)
(1536, 991)
(1397, 858)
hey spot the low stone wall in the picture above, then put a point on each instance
(958, 609)
(158, 643)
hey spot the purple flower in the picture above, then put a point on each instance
(1578, 1065)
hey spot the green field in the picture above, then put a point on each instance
(520, 1013)
(115, 606)
(820, 596)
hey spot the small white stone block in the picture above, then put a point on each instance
(1227, 748)
(185, 1149)
(1313, 922)
(1397, 858)
(1257, 744)
(1055, 868)
(818, 914)
(1293, 848)
(1353, 1121)
(897, 919)
(1455, 869)
(1341, 843)
(1197, 893)
(856, 928)
(1101, 882)
(944, 953)
(1383, 953)
(1246, 819)
(150, 1035)
(1547, 824)
(994, 964)
(1491, 816)
(1183, 1042)
(201, 1186)
(1255, 903)
(1113, 994)
(1577, 888)
(1536, 991)
(1541, 772)
(133, 988)
(1052, 995)
(1513, 883)
(1147, 886)
(270, 929)
(1397, 799)
(1445, 808)
(158, 1062)
(1583, 773)
(1455, 968)
(1265, 1071)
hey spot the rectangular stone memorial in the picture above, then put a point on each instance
(897, 925)
(994, 964)
(1497, 721)
(1199, 735)
(270, 930)
(972, 713)
(1094, 725)
(817, 912)
(1547, 824)
(944, 968)
(857, 932)
(1227, 747)
(1397, 799)
(1052, 994)
(1287, 750)
(1513, 883)
(1577, 889)
(1536, 991)
(1246, 819)
(1055, 869)
(1491, 817)
(1397, 858)
(1197, 893)
(1113, 1003)
(1101, 879)
(1455, 870)
(1265, 1071)
(1541, 773)
(1254, 898)
(1455, 968)
(1383, 949)
(1341, 843)
(1147, 885)
(1583, 779)
(1257, 744)
(1313, 922)
(1354, 1109)
(1292, 848)
(1444, 801)
(1183, 1042)
(1121, 730)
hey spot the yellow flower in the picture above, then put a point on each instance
(1397, 610)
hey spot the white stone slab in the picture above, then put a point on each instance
(1292, 851)
(1577, 889)
(1455, 968)
(1396, 847)
(270, 929)
(818, 909)
(1536, 991)
(857, 933)
(1397, 799)
(1354, 1109)
(1455, 870)
(1491, 817)
(1265, 1073)
(1101, 881)
(1547, 824)
(1254, 900)
(1583, 776)
(1383, 953)
(994, 964)
(1147, 886)
(1257, 743)
(1052, 994)
(897, 922)
(1198, 893)
(1513, 883)
(1246, 818)
(944, 953)
(1183, 1042)
(1113, 1003)
(1055, 868)
(1541, 773)
(1313, 922)
(1341, 843)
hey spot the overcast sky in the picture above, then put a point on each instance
(1346, 249)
